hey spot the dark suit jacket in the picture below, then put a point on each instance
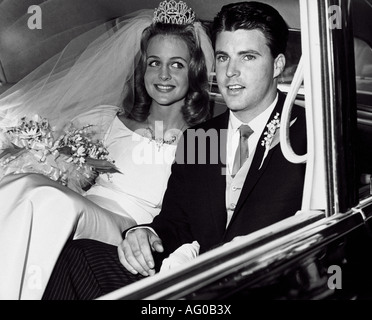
(194, 205)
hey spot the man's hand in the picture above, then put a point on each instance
(135, 251)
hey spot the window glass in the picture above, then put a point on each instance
(363, 66)
(363, 73)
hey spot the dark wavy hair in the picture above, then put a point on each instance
(196, 108)
(251, 15)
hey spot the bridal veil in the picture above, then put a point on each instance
(94, 70)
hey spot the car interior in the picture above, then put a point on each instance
(23, 49)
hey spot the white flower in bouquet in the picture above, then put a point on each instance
(73, 159)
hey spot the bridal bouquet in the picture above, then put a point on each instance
(74, 159)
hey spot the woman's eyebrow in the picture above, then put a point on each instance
(172, 58)
(178, 58)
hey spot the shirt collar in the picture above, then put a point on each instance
(257, 124)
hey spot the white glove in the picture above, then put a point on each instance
(183, 254)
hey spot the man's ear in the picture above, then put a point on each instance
(279, 65)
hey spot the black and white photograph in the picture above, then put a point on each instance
(199, 151)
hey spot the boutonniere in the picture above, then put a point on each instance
(271, 136)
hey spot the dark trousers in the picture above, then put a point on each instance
(85, 270)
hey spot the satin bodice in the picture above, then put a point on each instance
(144, 171)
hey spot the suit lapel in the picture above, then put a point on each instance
(216, 178)
(255, 172)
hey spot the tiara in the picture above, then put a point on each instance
(174, 12)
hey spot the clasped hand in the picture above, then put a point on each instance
(135, 251)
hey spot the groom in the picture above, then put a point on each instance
(211, 199)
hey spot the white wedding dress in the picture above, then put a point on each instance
(38, 215)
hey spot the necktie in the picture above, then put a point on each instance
(242, 153)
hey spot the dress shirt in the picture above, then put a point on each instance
(234, 185)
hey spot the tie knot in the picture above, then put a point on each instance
(245, 131)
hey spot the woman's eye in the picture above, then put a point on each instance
(154, 63)
(177, 65)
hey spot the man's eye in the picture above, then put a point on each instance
(249, 57)
(221, 58)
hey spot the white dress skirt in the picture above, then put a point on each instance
(38, 215)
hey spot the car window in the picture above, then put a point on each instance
(363, 64)
(363, 74)
(292, 55)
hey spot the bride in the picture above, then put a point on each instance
(140, 84)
